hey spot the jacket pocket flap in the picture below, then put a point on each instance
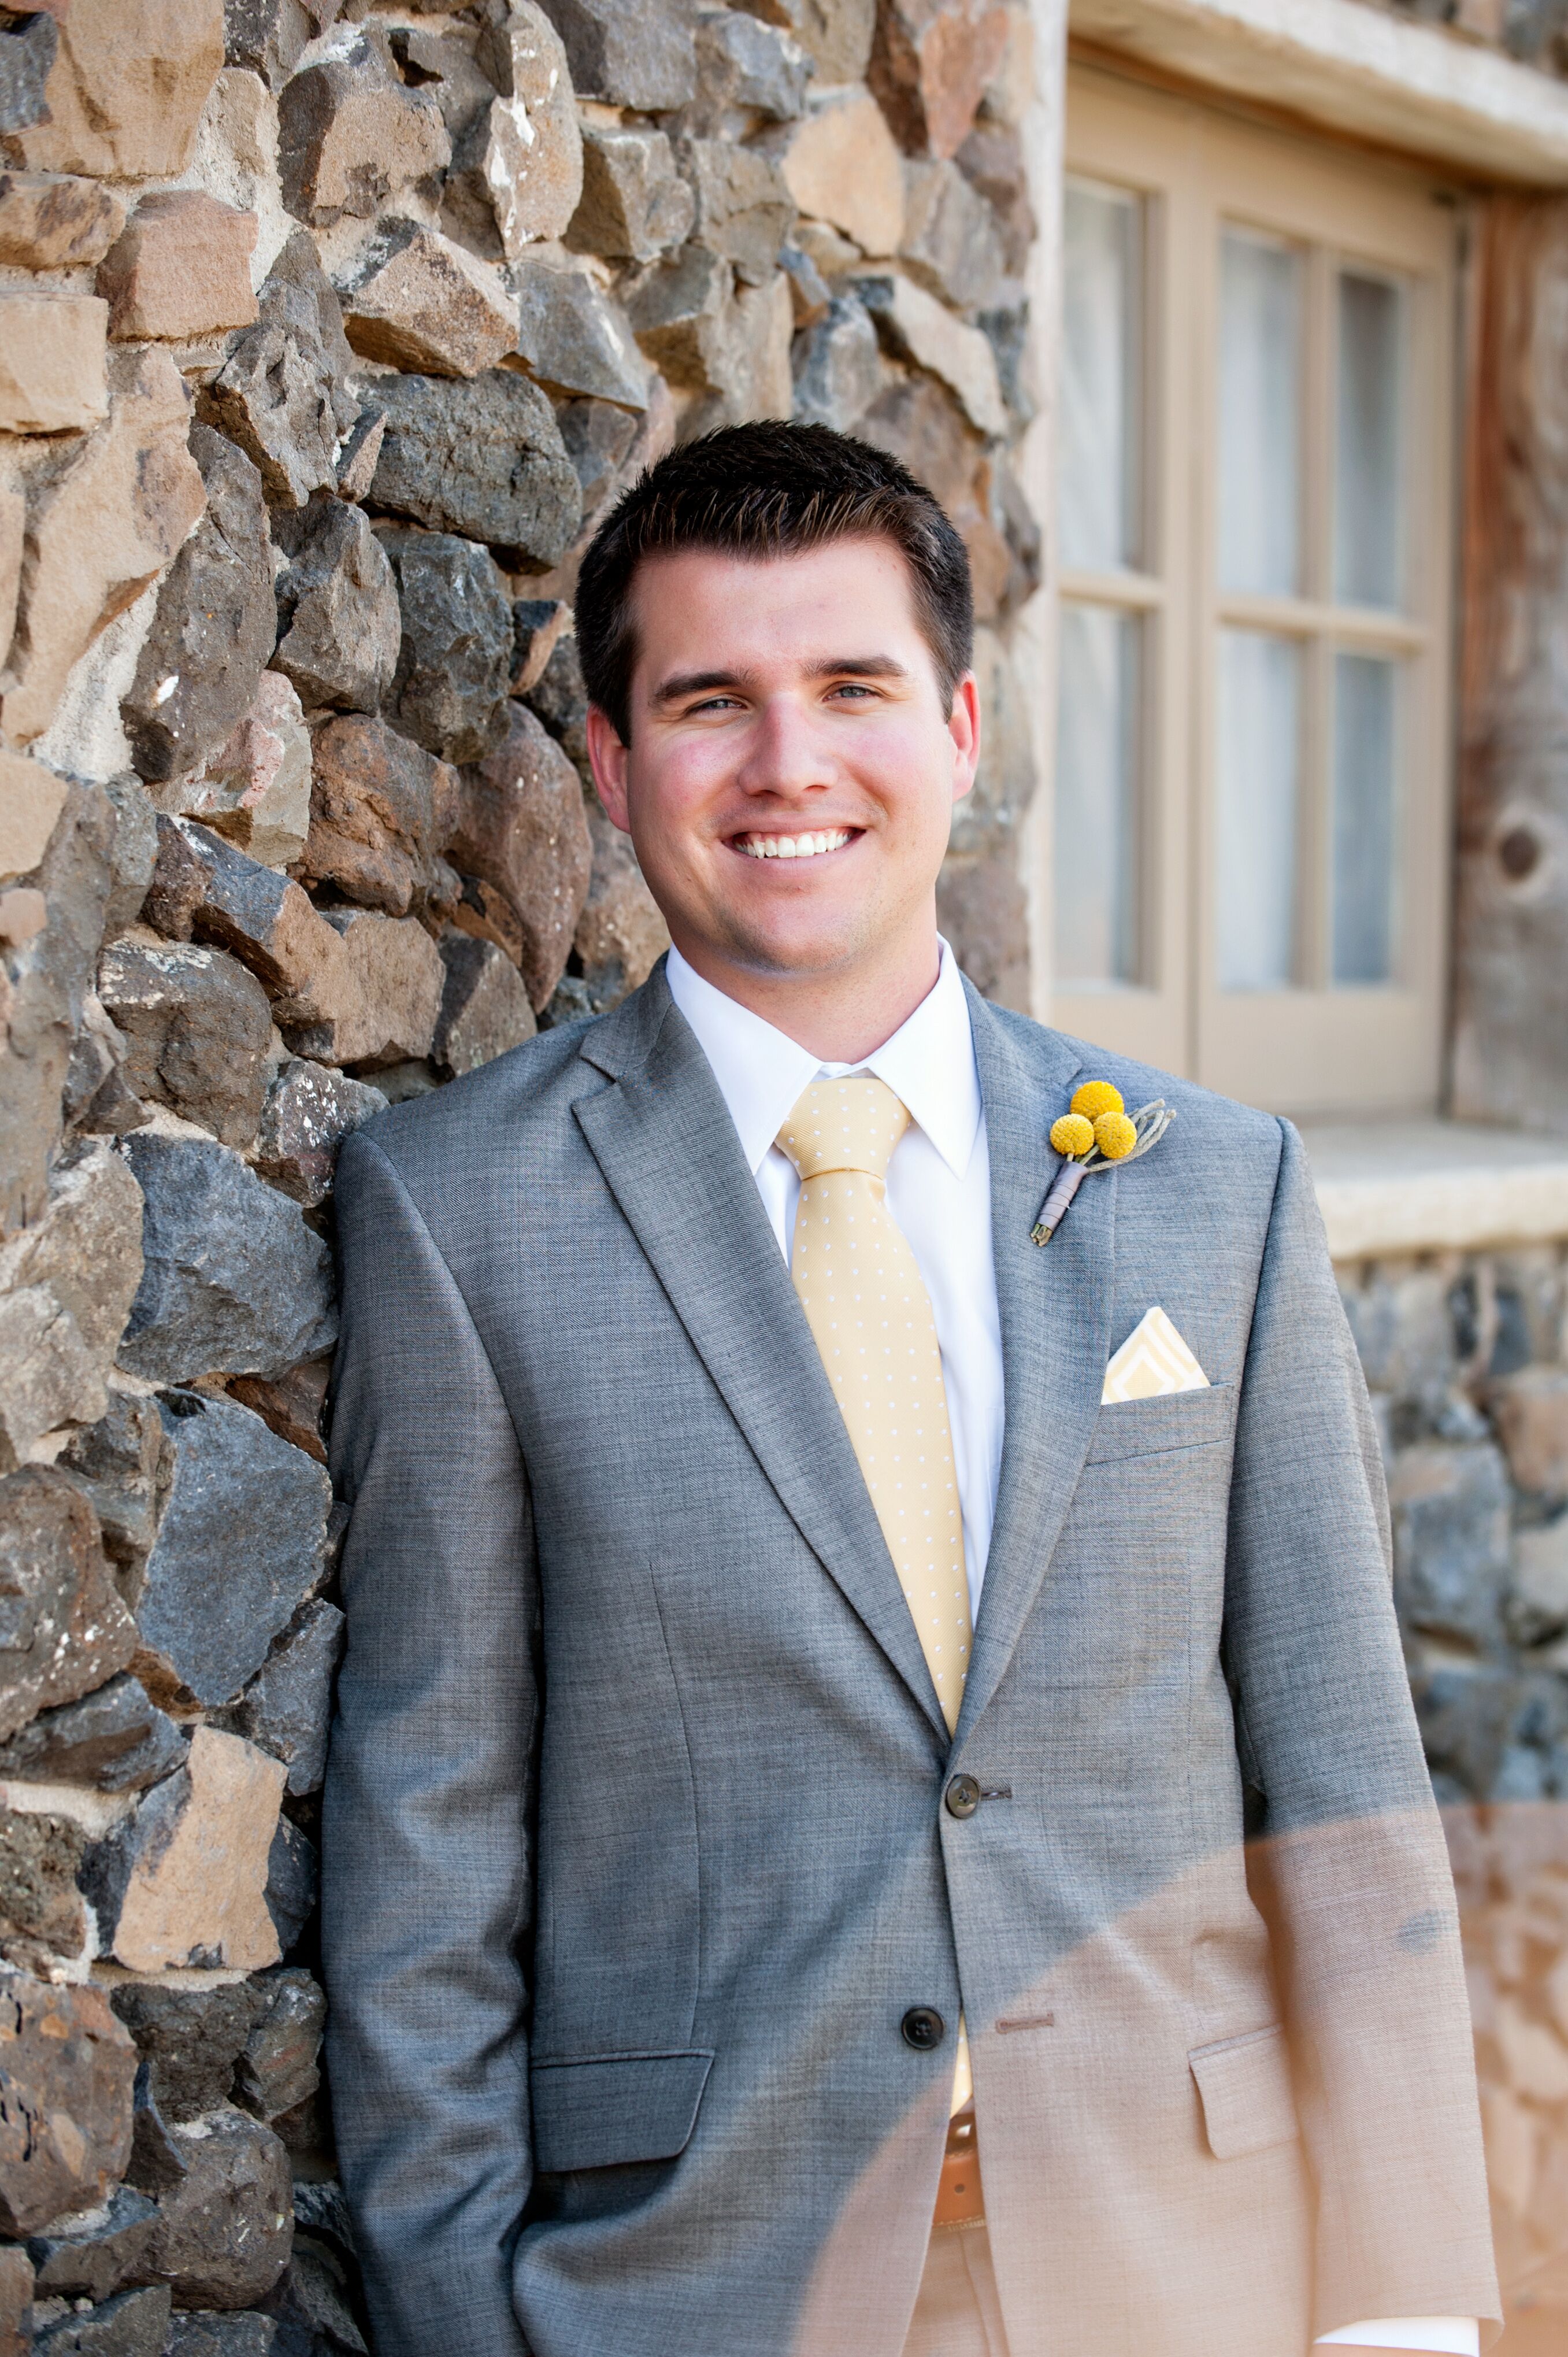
(1169, 1420)
(615, 2108)
(1247, 2105)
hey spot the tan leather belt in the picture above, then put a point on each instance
(960, 2200)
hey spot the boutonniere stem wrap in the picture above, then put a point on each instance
(1096, 1135)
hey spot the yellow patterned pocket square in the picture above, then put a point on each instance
(1151, 1362)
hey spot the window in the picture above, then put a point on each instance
(1252, 764)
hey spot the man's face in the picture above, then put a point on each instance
(792, 774)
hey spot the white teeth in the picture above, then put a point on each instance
(792, 846)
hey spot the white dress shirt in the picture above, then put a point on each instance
(938, 1192)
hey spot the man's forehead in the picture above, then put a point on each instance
(701, 607)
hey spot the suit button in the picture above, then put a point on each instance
(923, 2029)
(962, 1796)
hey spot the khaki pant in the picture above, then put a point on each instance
(958, 2313)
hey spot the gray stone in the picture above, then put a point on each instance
(269, 36)
(482, 459)
(678, 310)
(134, 852)
(336, 609)
(743, 211)
(539, 624)
(274, 397)
(810, 295)
(96, 2253)
(293, 1883)
(115, 1739)
(361, 448)
(42, 1921)
(350, 134)
(123, 1465)
(132, 2324)
(1451, 1526)
(485, 1011)
(188, 2040)
(233, 1279)
(598, 436)
(837, 366)
(63, 1630)
(16, 2301)
(1005, 327)
(224, 2233)
(952, 246)
(636, 53)
(983, 911)
(381, 805)
(746, 70)
(298, 296)
(314, 2304)
(836, 34)
(210, 2332)
(560, 701)
(449, 691)
(213, 627)
(309, 1112)
(521, 832)
(575, 339)
(992, 160)
(65, 1284)
(634, 205)
(28, 47)
(96, 1099)
(287, 1705)
(196, 1029)
(448, 65)
(156, 2161)
(280, 2066)
(241, 1545)
(1403, 1326)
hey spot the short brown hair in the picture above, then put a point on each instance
(763, 490)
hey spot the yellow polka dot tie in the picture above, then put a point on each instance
(870, 1316)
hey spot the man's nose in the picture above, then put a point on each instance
(786, 754)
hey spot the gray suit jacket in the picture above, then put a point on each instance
(636, 1849)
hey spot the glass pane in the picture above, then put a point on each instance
(1367, 486)
(1101, 297)
(1257, 791)
(1364, 811)
(1260, 414)
(1097, 798)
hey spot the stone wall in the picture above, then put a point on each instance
(326, 333)
(1468, 1361)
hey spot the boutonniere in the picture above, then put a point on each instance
(1097, 1134)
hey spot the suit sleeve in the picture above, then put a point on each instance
(1351, 1858)
(427, 1868)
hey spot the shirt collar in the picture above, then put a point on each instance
(929, 1062)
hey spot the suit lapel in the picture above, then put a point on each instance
(1055, 1303)
(664, 1138)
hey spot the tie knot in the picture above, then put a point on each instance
(844, 1125)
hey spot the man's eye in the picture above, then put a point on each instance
(716, 703)
(857, 689)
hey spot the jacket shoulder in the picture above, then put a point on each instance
(510, 1104)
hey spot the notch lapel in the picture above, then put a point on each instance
(1055, 1305)
(662, 1134)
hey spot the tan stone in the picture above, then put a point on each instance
(835, 33)
(380, 1002)
(31, 800)
(87, 1249)
(127, 88)
(930, 66)
(1531, 1411)
(1540, 1579)
(13, 529)
(350, 134)
(67, 2069)
(51, 220)
(194, 1864)
(620, 934)
(925, 331)
(16, 2301)
(1534, 2057)
(841, 165)
(431, 307)
(51, 361)
(255, 790)
(181, 268)
(102, 531)
(521, 829)
(534, 158)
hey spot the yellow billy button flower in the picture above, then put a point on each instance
(1096, 1097)
(1115, 1135)
(1072, 1136)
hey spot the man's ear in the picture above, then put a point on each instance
(963, 727)
(608, 756)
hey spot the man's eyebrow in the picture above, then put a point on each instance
(708, 682)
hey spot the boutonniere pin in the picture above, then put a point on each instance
(1097, 1134)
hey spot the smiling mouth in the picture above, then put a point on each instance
(795, 846)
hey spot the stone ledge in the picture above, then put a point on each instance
(1396, 1187)
(1359, 71)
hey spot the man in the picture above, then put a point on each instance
(787, 1684)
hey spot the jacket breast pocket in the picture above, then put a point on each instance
(1175, 1420)
(613, 2109)
(1245, 2088)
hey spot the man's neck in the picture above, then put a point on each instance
(838, 1017)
